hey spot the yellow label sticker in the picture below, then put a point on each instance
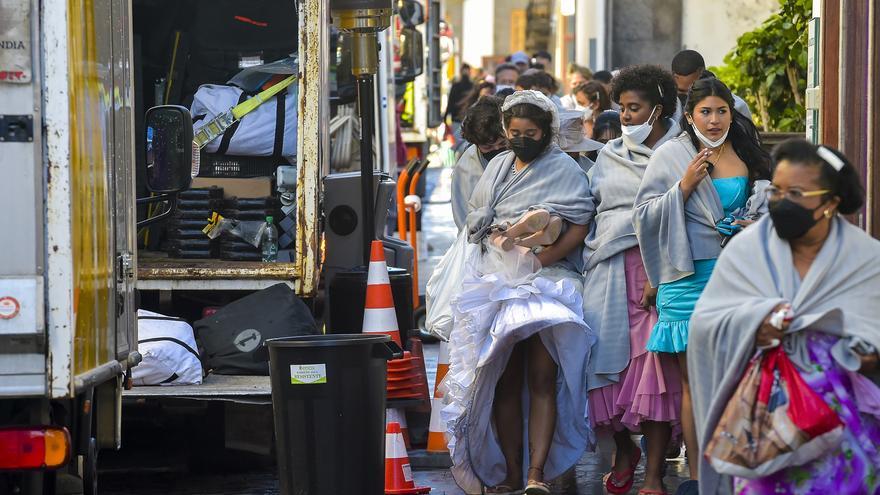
(308, 374)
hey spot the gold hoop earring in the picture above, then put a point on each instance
(828, 213)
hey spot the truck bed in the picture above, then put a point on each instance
(234, 388)
(157, 272)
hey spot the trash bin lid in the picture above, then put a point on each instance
(333, 340)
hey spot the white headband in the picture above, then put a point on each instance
(830, 158)
(539, 100)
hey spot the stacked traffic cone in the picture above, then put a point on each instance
(398, 473)
(379, 314)
(418, 352)
(404, 379)
(399, 416)
(436, 430)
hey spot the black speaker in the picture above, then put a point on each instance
(347, 294)
(343, 227)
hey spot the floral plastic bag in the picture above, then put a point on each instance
(774, 420)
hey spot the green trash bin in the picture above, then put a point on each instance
(328, 400)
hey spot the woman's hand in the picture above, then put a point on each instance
(744, 223)
(696, 171)
(649, 297)
(768, 335)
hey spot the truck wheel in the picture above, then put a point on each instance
(90, 469)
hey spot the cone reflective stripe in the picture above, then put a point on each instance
(437, 430)
(442, 368)
(398, 472)
(399, 416)
(379, 314)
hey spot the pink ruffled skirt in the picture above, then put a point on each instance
(650, 387)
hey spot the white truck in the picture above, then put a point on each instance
(69, 263)
(70, 268)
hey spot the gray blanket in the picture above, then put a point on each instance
(614, 184)
(840, 295)
(553, 182)
(672, 233)
(467, 172)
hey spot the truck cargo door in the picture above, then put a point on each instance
(123, 180)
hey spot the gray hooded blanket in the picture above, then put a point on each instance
(672, 233)
(840, 295)
(553, 182)
(467, 172)
(615, 181)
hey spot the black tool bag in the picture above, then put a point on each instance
(229, 339)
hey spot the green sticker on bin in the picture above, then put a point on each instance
(308, 374)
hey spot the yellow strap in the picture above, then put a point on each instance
(250, 105)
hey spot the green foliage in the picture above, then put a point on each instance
(768, 68)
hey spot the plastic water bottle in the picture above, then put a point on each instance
(269, 242)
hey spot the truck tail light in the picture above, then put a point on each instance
(35, 447)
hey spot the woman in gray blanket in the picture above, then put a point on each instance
(518, 345)
(808, 259)
(695, 192)
(631, 389)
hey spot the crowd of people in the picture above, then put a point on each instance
(622, 252)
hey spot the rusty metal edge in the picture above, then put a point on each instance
(313, 140)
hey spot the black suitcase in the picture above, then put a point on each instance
(229, 338)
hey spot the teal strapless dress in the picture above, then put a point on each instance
(676, 300)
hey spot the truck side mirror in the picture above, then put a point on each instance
(411, 12)
(412, 56)
(170, 166)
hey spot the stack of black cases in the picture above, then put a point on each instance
(245, 209)
(184, 235)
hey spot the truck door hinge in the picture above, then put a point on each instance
(125, 266)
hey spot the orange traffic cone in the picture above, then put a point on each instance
(418, 352)
(399, 416)
(442, 368)
(436, 429)
(398, 473)
(379, 314)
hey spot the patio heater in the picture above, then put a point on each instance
(363, 19)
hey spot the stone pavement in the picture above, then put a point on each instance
(588, 472)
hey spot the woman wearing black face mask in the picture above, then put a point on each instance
(518, 318)
(822, 272)
(482, 127)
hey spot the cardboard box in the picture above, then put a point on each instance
(257, 187)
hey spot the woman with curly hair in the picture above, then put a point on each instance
(482, 128)
(631, 389)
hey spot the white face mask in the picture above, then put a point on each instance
(708, 142)
(635, 135)
(588, 112)
(501, 87)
